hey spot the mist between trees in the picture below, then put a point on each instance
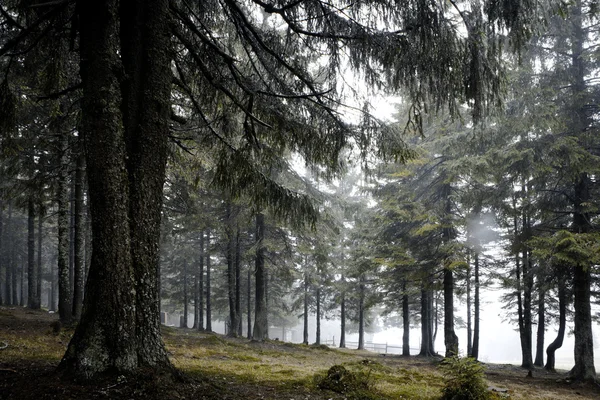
(206, 158)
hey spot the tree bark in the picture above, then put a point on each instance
(40, 240)
(64, 280)
(208, 285)
(426, 323)
(343, 314)
(450, 338)
(238, 282)
(361, 314)
(185, 295)
(2, 263)
(476, 306)
(305, 307)
(562, 324)
(405, 322)
(231, 273)
(249, 303)
(318, 323)
(79, 239)
(32, 276)
(200, 288)
(469, 306)
(584, 368)
(541, 327)
(260, 307)
(126, 79)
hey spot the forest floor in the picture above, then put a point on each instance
(218, 367)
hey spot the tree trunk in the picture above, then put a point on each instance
(361, 314)
(562, 324)
(22, 284)
(343, 315)
(469, 306)
(238, 282)
(38, 291)
(208, 283)
(426, 322)
(249, 303)
(318, 323)
(475, 348)
(185, 295)
(231, 273)
(2, 263)
(79, 240)
(541, 327)
(584, 368)
(53, 284)
(64, 280)
(200, 288)
(125, 127)
(527, 312)
(260, 306)
(405, 322)
(32, 276)
(196, 297)
(450, 338)
(305, 313)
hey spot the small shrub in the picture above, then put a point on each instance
(339, 380)
(463, 379)
(354, 385)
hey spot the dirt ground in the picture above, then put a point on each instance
(31, 346)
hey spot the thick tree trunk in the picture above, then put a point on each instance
(2, 263)
(427, 346)
(79, 240)
(64, 281)
(405, 322)
(260, 307)
(208, 285)
(584, 368)
(125, 127)
(32, 276)
(562, 324)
